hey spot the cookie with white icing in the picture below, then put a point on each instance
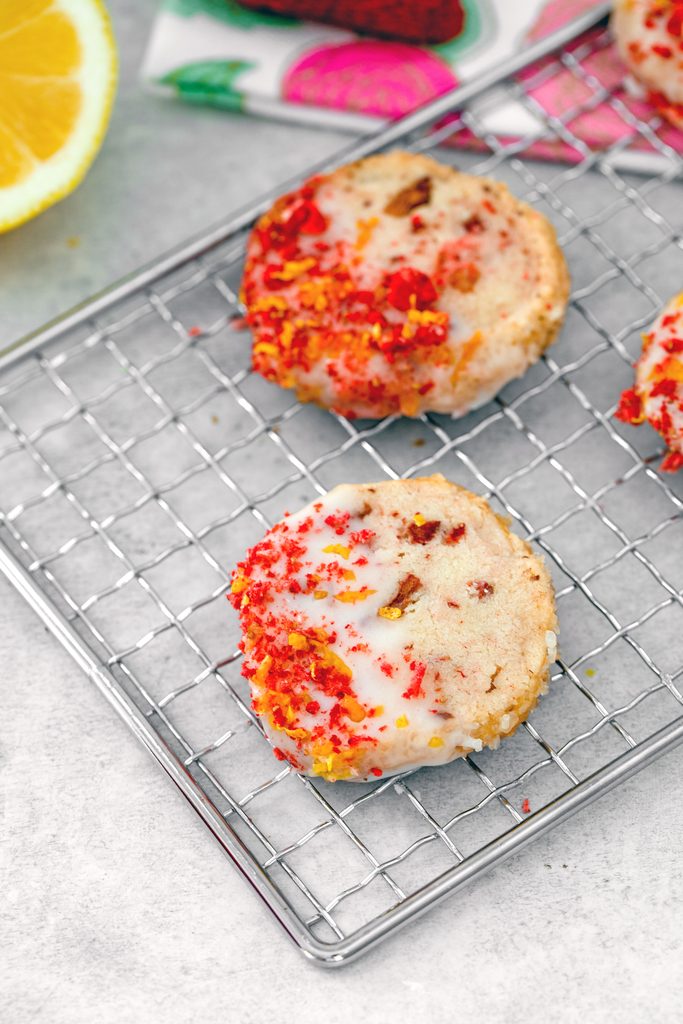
(399, 285)
(392, 625)
(649, 37)
(657, 395)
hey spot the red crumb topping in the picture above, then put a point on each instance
(415, 688)
(658, 392)
(301, 655)
(408, 288)
(318, 313)
(630, 408)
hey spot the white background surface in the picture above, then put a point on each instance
(118, 905)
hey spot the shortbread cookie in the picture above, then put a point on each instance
(397, 284)
(658, 392)
(649, 37)
(393, 625)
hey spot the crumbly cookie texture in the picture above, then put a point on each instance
(392, 625)
(399, 285)
(657, 395)
(649, 37)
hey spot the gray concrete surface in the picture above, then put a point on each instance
(117, 905)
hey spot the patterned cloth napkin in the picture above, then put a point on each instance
(218, 53)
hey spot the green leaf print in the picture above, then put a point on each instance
(228, 11)
(209, 81)
(479, 28)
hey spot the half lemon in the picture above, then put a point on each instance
(57, 81)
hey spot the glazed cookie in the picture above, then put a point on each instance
(397, 284)
(649, 37)
(658, 392)
(393, 625)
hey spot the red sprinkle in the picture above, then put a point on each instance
(672, 462)
(407, 284)
(526, 809)
(630, 408)
(674, 25)
(304, 217)
(456, 534)
(664, 387)
(415, 688)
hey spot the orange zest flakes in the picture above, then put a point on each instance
(333, 764)
(293, 269)
(466, 354)
(298, 641)
(410, 404)
(387, 612)
(348, 574)
(671, 369)
(313, 294)
(354, 710)
(427, 316)
(435, 741)
(296, 734)
(365, 231)
(265, 348)
(268, 303)
(318, 595)
(239, 584)
(401, 722)
(353, 596)
(262, 671)
(337, 549)
(286, 335)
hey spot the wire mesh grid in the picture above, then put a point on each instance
(140, 456)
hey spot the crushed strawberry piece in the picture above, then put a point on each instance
(630, 408)
(672, 462)
(415, 688)
(455, 535)
(408, 286)
(664, 387)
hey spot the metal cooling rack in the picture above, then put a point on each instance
(139, 456)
